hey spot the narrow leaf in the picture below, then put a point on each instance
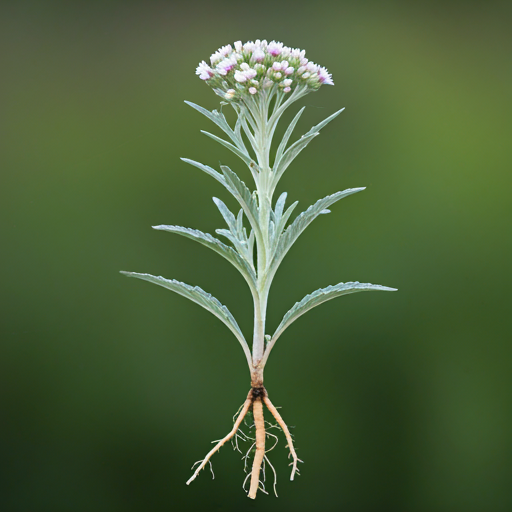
(291, 153)
(323, 123)
(216, 245)
(243, 195)
(303, 220)
(241, 154)
(287, 135)
(323, 295)
(226, 213)
(219, 119)
(207, 169)
(199, 296)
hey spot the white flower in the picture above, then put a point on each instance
(267, 83)
(204, 71)
(240, 77)
(220, 54)
(235, 68)
(311, 67)
(249, 46)
(258, 55)
(298, 54)
(250, 73)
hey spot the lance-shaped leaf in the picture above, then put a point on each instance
(204, 299)
(282, 164)
(216, 245)
(318, 297)
(323, 123)
(208, 170)
(238, 152)
(285, 158)
(243, 195)
(237, 188)
(303, 220)
(287, 135)
(219, 119)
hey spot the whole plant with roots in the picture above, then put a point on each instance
(260, 81)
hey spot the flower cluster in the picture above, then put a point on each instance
(255, 66)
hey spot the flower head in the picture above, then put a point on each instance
(250, 69)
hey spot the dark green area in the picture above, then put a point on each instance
(111, 388)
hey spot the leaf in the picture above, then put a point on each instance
(290, 154)
(226, 214)
(280, 206)
(238, 152)
(237, 188)
(323, 295)
(323, 123)
(243, 195)
(303, 220)
(208, 170)
(283, 160)
(287, 135)
(219, 119)
(199, 296)
(216, 245)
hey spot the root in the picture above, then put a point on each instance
(259, 422)
(255, 399)
(284, 427)
(241, 416)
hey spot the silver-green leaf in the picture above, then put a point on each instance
(320, 296)
(199, 296)
(303, 220)
(216, 245)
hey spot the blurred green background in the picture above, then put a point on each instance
(111, 388)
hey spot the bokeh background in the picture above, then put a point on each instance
(111, 388)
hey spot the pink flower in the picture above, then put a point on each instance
(253, 90)
(274, 48)
(287, 89)
(288, 71)
(324, 77)
(225, 66)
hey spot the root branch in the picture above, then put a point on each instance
(241, 416)
(284, 427)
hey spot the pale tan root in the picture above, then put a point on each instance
(241, 416)
(284, 427)
(259, 423)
